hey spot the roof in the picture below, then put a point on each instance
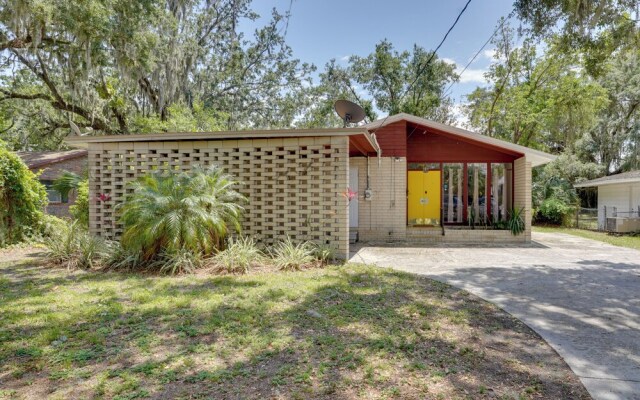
(359, 137)
(625, 177)
(536, 157)
(37, 159)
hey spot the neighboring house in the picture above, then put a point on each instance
(416, 180)
(50, 165)
(618, 201)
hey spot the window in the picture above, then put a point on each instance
(477, 193)
(53, 195)
(501, 175)
(452, 181)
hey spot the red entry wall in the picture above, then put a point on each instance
(392, 139)
(421, 144)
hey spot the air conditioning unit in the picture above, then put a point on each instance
(622, 224)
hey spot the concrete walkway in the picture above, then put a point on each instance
(581, 296)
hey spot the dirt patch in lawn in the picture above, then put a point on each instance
(336, 333)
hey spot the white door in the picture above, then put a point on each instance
(353, 205)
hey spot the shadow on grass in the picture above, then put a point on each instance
(349, 332)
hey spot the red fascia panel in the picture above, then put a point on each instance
(392, 139)
(428, 145)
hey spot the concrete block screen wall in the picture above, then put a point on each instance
(294, 185)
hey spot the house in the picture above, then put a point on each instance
(416, 180)
(50, 165)
(618, 201)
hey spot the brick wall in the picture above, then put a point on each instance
(522, 192)
(384, 217)
(294, 185)
(52, 172)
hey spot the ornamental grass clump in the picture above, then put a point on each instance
(74, 247)
(179, 218)
(239, 257)
(289, 256)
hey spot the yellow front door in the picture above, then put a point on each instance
(423, 200)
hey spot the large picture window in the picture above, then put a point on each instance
(452, 204)
(501, 175)
(477, 192)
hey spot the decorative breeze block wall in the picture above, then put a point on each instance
(294, 185)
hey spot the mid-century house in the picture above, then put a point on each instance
(50, 165)
(416, 180)
(618, 201)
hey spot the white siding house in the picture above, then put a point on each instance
(618, 201)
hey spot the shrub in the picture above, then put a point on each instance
(120, 259)
(182, 261)
(554, 211)
(239, 256)
(80, 208)
(22, 200)
(324, 253)
(290, 256)
(52, 226)
(74, 247)
(515, 222)
(173, 212)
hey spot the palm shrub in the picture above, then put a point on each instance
(239, 256)
(288, 255)
(171, 212)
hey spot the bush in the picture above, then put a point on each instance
(182, 261)
(22, 200)
(74, 247)
(239, 256)
(80, 208)
(515, 222)
(324, 253)
(554, 211)
(173, 212)
(290, 256)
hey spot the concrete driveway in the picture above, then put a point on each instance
(581, 296)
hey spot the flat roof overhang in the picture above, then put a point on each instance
(360, 140)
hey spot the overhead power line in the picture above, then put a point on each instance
(426, 64)
(444, 93)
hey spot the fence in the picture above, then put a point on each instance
(586, 218)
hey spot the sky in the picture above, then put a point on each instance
(320, 30)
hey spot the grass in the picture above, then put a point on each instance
(632, 242)
(339, 332)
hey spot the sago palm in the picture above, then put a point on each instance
(173, 211)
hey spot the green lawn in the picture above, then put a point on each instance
(341, 332)
(632, 242)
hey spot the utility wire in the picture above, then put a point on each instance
(433, 54)
(444, 93)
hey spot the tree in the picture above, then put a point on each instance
(411, 82)
(387, 80)
(22, 199)
(110, 66)
(596, 28)
(544, 101)
(615, 141)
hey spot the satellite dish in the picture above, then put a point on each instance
(350, 112)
